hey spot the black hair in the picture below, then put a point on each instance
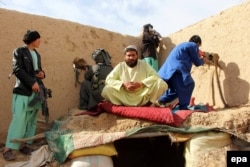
(147, 26)
(196, 39)
(30, 36)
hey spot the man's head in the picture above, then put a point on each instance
(30, 36)
(196, 39)
(101, 56)
(147, 27)
(131, 55)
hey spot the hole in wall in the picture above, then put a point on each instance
(149, 152)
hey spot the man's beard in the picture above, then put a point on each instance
(131, 63)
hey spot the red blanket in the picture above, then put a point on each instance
(154, 114)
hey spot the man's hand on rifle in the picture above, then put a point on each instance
(206, 60)
(35, 87)
(207, 57)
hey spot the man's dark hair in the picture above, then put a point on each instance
(147, 26)
(196, 39)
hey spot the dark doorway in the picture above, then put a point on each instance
(149, 152)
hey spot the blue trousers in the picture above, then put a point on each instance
(177, 89)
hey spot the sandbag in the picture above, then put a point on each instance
(201, 143)
(105, 149)
(92, 161)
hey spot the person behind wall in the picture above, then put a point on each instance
(176, 72)
(150, 43)
(91, 87)
(133, 82)
(29, 74)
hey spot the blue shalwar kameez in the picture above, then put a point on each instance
(176, 72)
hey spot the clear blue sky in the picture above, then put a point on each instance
(125, 16)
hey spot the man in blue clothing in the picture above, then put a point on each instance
(176, 72)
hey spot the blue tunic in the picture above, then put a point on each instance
(181, 59)
(176, 72)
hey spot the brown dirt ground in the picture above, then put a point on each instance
(232, 120)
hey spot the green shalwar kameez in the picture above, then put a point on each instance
(24, 118)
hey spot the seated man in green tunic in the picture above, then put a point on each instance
(133, 82)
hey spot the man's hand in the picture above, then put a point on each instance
(35, 87)
(132, 86)
(40, 75)
(206, 60)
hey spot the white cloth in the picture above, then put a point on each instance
(38, 158)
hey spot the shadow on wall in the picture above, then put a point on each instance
(234, 95)
(165, 47)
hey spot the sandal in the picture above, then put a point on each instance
(26, 150)
(8, 155)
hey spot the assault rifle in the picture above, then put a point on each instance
(43, 95)
(214, 60)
